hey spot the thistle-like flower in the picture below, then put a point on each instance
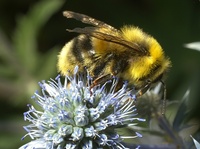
(74, 116)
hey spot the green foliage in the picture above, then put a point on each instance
(22, 63)
(197, 144)
(193, 46)
(169, 131)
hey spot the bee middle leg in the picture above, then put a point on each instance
(143, 90)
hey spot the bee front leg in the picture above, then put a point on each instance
(100, 80)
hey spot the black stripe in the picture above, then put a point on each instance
(119, 64)
(101, 64)
(80, 44)
(85, 43)
(76, 51)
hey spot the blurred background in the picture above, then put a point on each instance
(32, 32)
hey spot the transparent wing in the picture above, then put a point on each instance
(108, 33)
(87, 20)
(110, 37)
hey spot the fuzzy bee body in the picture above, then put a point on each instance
(104, 51)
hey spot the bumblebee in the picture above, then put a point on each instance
(128, 53)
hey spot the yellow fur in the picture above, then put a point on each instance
(64, 64)
(132, 33)
(142, 66)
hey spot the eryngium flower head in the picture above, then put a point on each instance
(74, 116)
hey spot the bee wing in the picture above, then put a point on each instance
(110, 37)
(87, 20)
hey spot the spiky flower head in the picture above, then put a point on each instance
(74, 116)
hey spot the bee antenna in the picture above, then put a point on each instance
(164, 97)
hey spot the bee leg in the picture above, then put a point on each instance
(141, 91)
(164, 97)
(100, 80)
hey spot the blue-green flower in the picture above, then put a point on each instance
(74, 116)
